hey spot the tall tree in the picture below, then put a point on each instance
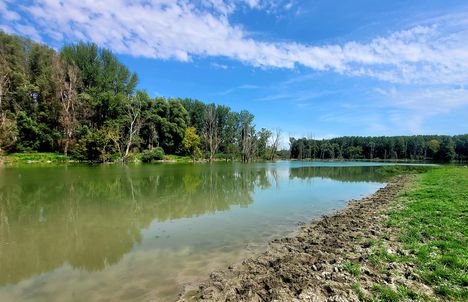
(67, 82)
(211, 133)
(276, 140)
(263, 137)
(191, 142)
(247, 132)
(133, 120)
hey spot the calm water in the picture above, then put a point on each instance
(138, 233)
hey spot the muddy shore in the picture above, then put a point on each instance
(314, 263)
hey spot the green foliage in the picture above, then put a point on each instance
(82, 99)
(191, 142)
(34, 135)
(152, 155)
(447, 149)
(96, 145)
(419, 147)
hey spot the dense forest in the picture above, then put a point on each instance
(417, 147)
(81, 101)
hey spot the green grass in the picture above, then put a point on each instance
(46, 157)
(358, 290)
(433, 228)
(41, 157)
(402, 293)
(352, 268)
(177, 158)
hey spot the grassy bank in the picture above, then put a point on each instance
(428, 227)
(35, 157)
(49, 157)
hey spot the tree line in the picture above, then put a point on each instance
(83, 102)
(416, 147)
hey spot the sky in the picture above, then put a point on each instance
(318, 68)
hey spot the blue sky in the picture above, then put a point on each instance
(312, 68)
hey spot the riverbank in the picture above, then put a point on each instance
(58, 158)
(406, 241)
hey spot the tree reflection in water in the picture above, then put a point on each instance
(89, 217)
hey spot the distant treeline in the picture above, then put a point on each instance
(83, 102)
(417, 147)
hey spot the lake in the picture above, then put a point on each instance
(140, 232)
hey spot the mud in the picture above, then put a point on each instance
(310, 264)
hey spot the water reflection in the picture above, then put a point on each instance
(89, 218)
(342, 174)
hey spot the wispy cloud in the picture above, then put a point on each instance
(241, 87)
(411, 107)
(219, 66)
(182, 30)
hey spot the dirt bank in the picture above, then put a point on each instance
(323, 261)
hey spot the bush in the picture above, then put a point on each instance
(95, 146)
(152, 155)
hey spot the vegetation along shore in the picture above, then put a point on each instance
(81, 104)
(405, 242)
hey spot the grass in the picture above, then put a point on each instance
(358, 290)
(50, 157)
(352, 268)
(402, 293)
(433, 228)
(40, 157)
(177, 158)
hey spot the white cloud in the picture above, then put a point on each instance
(182, 30)
(411, 108)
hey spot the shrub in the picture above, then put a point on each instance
(95, 145)
(152, 155)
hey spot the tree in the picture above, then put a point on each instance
(434, 147)
(447, 149)
(191, 142)
(4, 78)
(133, 121)
(247, 132)
(354, 152)
(263, 138)
(7, 125)
(67, 82)
(230, 137)
(276, 139)
(8, 132)
(211, 131)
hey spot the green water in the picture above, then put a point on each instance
(139, 233)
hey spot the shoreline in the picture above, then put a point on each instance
(317, 262)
